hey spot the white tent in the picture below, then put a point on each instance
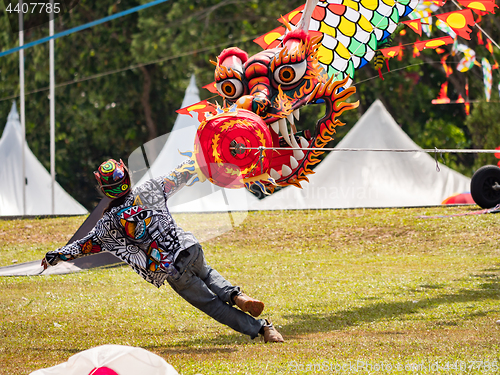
(372, 179)
(38, 180)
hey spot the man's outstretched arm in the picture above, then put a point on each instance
(90, 244)
(180, 176)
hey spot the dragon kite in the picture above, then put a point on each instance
(252, 138)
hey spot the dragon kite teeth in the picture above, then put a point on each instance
(274, 174)
(286, 170)
(284, 131)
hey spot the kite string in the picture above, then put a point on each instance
(435, 150)
(436, 159)
(260, 150)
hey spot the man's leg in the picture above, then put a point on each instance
(190, 286)
(228, 293)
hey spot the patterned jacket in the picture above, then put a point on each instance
(140, 231)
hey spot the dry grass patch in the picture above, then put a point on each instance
(26, 240)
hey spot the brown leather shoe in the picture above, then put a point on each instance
(248, 304)
(270, 333)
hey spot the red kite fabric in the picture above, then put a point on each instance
(211, 87)
(416, 52)
(497, 155)
(295, 15)
(464, 198)
(489, 46)
(215, 145)
(271, 39)
(480, 39)
(460, 21)
(443, 95)
(199, 108)
(401, 52)
(433, 43)
(415, 25)
(480, 5)
(467, 104)
(391, 51)
(447, 69)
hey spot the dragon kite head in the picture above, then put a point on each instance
(252, 138)
(273, 84)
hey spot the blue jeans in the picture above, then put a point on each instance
(205, 288)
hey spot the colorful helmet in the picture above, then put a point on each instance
(113, 178)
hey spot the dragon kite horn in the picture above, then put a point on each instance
(301, 32)
(306, 15)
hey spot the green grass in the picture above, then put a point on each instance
(345, 287)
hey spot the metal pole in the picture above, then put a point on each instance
(22, 107)
(52, 110)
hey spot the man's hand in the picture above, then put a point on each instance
(44, 264)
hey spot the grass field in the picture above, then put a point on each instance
(352, 291)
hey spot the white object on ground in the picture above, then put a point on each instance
(124, 360)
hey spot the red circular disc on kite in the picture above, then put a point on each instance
(218, 136)
(497, 154)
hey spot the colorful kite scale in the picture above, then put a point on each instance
(460, 21)
(350, 31)
(487, 77)
(423, 12)
(443, 26)
(469, 58)
(415, 25)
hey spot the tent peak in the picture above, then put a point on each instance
(377, 106)
(13, 114)
(192, 89)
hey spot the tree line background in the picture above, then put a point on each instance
(140, 66)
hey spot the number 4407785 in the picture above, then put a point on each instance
(34, 8)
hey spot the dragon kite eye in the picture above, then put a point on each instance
(287, 74)
(291, 73)
(230, 88)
